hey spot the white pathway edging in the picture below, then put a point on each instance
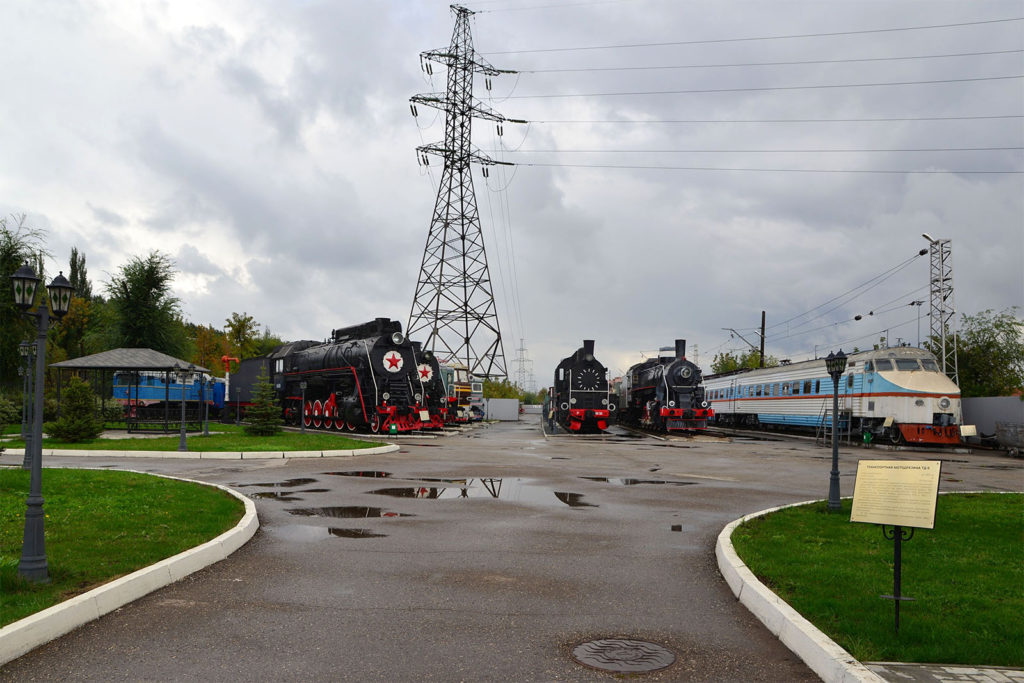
(818, 651)
(37, 629)
(212, 455)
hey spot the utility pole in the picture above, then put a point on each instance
(762, 339)
(454, 302)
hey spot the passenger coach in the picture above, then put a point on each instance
(899, 394)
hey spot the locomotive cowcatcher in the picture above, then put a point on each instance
(665, 393)
(581, 392)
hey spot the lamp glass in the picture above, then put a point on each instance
(25, 282)
(60, 291)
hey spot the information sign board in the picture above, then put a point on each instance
(896, 492)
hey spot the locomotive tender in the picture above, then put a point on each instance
(665, 393)
(366, 377)
(898, 394)
(581, 392)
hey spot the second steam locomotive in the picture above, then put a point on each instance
(665, 393)
(581, 394)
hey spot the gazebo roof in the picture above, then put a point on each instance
(126, 359)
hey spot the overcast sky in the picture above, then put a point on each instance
(268, 147)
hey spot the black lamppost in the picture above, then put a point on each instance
(835, 363)
(33, 566)
(207, 391)
(26, 350)
(183, 376)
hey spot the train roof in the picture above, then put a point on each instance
(852, 360)
(375, 328)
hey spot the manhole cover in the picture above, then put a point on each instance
(623, 656)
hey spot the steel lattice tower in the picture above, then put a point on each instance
(943, 310)
(454, 302)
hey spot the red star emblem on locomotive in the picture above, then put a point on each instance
(393, 362)
(425, 372)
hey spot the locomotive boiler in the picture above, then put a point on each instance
(581, 392)
(665, 393)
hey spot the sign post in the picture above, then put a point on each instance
(900, 495)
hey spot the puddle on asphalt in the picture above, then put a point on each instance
(634, 482)
(288, 496)
(346, 512)
(677, 527)
(304, 532)
(372, 474)
(284, 484)
(512, 490)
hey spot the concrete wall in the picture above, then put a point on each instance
(984, 412)
(504, 409)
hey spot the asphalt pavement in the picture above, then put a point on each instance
(488, 555)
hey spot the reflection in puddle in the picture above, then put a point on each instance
(303, 532)
(634, 482)
(373, 474)
(283, 484)
(273, 495)
(346, 512)
(513, 490)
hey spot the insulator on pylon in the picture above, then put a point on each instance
(426, 160)
(486, 172)
(500, 131)
(487, 82)
(412, 108)
(430, 69)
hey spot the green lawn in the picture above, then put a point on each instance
(227, 438)
(100, 525)
(966, 577)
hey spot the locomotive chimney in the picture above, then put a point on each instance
(680, 348)
(588, 347)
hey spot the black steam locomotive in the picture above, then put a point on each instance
(365, 377)
(581, 394)
(665, 393)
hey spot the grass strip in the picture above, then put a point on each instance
(228, 439)
(102, 524)
(966, 577)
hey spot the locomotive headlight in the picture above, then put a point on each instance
(604, 401)
(703, 404)
(943, 402)
(417, 397)
(572, 400)
(671, 404)
(397, 338)
(385, 396)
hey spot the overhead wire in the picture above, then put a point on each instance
(781, 170)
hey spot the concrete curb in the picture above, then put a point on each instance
(818, 651)
(37, 629)
(212, 455)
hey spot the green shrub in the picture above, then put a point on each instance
(78, 421)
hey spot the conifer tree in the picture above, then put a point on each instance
(263, 417)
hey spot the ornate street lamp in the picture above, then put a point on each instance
(184, 374)
(835, 363)
(33, 565)
(26, 350)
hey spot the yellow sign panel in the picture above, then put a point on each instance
(898, 492)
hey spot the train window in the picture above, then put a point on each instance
(796, 388)
(817, 386)
(868, 366)
(883, 364)
(807, 386)
(849, 381)
(279, 366)
(930, 365)
(758, 390)
(907, 364)
(785, 388)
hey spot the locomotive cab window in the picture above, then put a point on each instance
(883, 364)
(817, 386)
(849, 381)
(930, 365)
(869, 366)
(907, 364)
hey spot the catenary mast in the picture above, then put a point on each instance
(454, 302)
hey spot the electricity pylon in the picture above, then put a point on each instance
(454, 302)
(943, 309)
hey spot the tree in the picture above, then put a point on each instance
(241, 332)
(210, 346)
(263, 417)
(78, 275)
(18, 244)
(748, 360)
(145, 314)
(78, 421)
(990, 353)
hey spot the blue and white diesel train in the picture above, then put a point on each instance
(899, 394)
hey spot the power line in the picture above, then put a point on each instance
(859, 120)
(778, 170)
(762, 151)
(749, 64)
(783, 37)
(823, 86)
